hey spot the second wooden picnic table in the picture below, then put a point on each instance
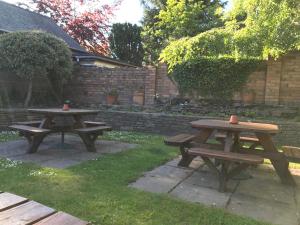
(232, 135)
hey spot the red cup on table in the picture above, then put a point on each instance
(234, 119)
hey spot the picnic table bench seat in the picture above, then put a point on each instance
(292, 153)
(34, 135)
(94, 123)
(34, 123)
(22, 211)
(232, 163)
(179, 140)
(93, 130)
(242, 138)
(29, 129)
(90, 134)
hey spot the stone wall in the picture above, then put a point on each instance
(158, 123)
(167, 124)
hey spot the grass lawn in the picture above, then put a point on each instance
(97, 190)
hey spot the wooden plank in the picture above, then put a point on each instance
(29, 129)
(291, 151)
(59, 111)
(32, 123)
(94, 123)
(25, 214)
(240, 127)
(8, 200)
(61, 218)
(242, 138)
(93, 129)
(179, 139)
(228, 156)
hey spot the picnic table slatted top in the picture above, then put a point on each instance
(58, 111)
(240, 127)
(16, 210)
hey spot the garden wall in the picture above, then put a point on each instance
(159, 123)
(91, 84)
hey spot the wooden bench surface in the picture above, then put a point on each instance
(30, 123)
(228, 156)
(16, 210)
(93, 129)
(179, 139)
(292, 153)
(242, 138)
(94, 123)
(29, 129)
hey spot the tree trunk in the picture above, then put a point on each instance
(28, 95)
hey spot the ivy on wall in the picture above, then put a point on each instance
(213, 77)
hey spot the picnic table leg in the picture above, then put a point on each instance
(78, 121)
(186, 159)
(46, 123)
(281, 164)
(202, 137)
(35, 142)
(89, 142)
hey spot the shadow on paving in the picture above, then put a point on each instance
(261, 197)
(52, 153)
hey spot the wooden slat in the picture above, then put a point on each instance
(179, 139)
(228, 156)
(8, 200)
(94, 123)
(93, 129)
(291, 151)
(29, 129)
(242, 138)
(240, 127)
(25, 214)
(61, 218)
(37, 122)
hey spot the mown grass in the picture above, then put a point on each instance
(98, 190)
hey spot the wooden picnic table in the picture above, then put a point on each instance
(74, 123)
(16, 210)
(263, 132)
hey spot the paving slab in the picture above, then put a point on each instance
(263, 209)
(52, 153)
(205, 178)
(204, 195)
(195, 164)
(261, 196)
(162, 179)
(266, 188)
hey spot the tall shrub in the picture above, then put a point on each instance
(33, 54)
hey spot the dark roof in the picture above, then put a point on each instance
(85, 56)
(14, 18)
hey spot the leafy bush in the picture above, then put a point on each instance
(217, 62)
(36, 54)
(213, 77)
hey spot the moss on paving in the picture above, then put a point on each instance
(97, 190)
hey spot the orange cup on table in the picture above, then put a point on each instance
(234, 119)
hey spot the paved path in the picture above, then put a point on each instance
(262, 197)
(52, 154)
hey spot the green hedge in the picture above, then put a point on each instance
(213, 77)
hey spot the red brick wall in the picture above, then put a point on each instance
(165, 87)
(90, 85)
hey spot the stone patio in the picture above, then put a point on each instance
(52, 153)
(261, 197)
